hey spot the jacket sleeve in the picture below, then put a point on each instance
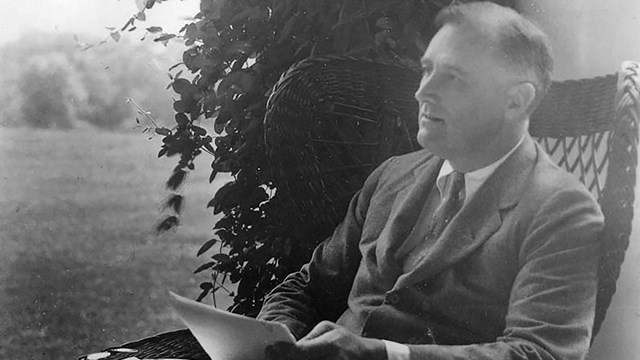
(552, 301)
(319, 291)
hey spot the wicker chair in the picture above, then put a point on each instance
(330, 121)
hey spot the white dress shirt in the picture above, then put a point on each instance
(472, 182)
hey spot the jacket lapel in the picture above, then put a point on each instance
(405, 213)
(479, 218)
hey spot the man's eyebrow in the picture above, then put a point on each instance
(454, 68)
(428, 63)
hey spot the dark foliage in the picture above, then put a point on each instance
(237, 50)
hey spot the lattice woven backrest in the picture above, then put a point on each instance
(590, 128)
(330, 121)
(585, 156)
(574, 125)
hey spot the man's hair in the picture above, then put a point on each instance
(523, 45)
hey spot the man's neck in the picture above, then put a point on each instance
(481, 159)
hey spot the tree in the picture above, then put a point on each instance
(237, 50)
(55, 81)
(45, 91)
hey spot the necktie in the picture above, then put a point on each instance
(428, 228)
(450, 203)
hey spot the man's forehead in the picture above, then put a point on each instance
(444, 62)
(456, 46)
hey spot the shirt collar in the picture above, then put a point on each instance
(473, 179)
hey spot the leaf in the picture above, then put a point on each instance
(141, 4)
(206, 246)
(241, 48)
(221, 121)
(167, 224)
(176, 179)
(175, 203)
(206, 289)
(212, 177)
(115, 35)
(209, 147)
(212, 8)
(381, 36)
(181, 119)
(221, 258)
(198, 130)
(140, 16)
(227, 196)
(182, 86)
(204, 267)
(163, 131)
(384, 23)
(164, 38)
(154, 29)
(129, 23)
(179, 106)
(254, 13)
(242, 81)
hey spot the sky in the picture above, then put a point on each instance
(87, 18)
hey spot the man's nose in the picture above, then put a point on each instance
(427, 90)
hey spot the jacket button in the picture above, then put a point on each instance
(392, 298)
(426, 306)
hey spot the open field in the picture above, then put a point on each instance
(80, 265)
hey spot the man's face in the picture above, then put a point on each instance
(462, 94)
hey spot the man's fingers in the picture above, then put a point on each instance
(321, 328)
(321, 347)
(283, 350)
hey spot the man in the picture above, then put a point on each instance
(503, 269)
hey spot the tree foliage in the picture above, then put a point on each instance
(58, 82)
(237, 50)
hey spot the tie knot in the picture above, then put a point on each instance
(454, 188)
(455, 181)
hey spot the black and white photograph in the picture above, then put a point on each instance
(319, 179)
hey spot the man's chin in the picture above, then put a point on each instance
(426, 140)
(430, 143)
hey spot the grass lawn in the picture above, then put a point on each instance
(80, 265)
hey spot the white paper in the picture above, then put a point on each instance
(227, 336)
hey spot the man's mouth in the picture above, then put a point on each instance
(432, 118)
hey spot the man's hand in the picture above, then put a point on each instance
(329, 341)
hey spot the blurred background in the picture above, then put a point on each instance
(81, 187)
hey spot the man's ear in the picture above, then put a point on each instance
(521, 97)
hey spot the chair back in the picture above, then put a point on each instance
(330, 121)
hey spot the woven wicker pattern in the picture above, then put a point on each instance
(178, 344)
(330, 121)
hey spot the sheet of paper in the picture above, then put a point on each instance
(227, 336)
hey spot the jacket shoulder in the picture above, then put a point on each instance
(407, 163)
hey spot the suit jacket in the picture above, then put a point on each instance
(513, 275)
